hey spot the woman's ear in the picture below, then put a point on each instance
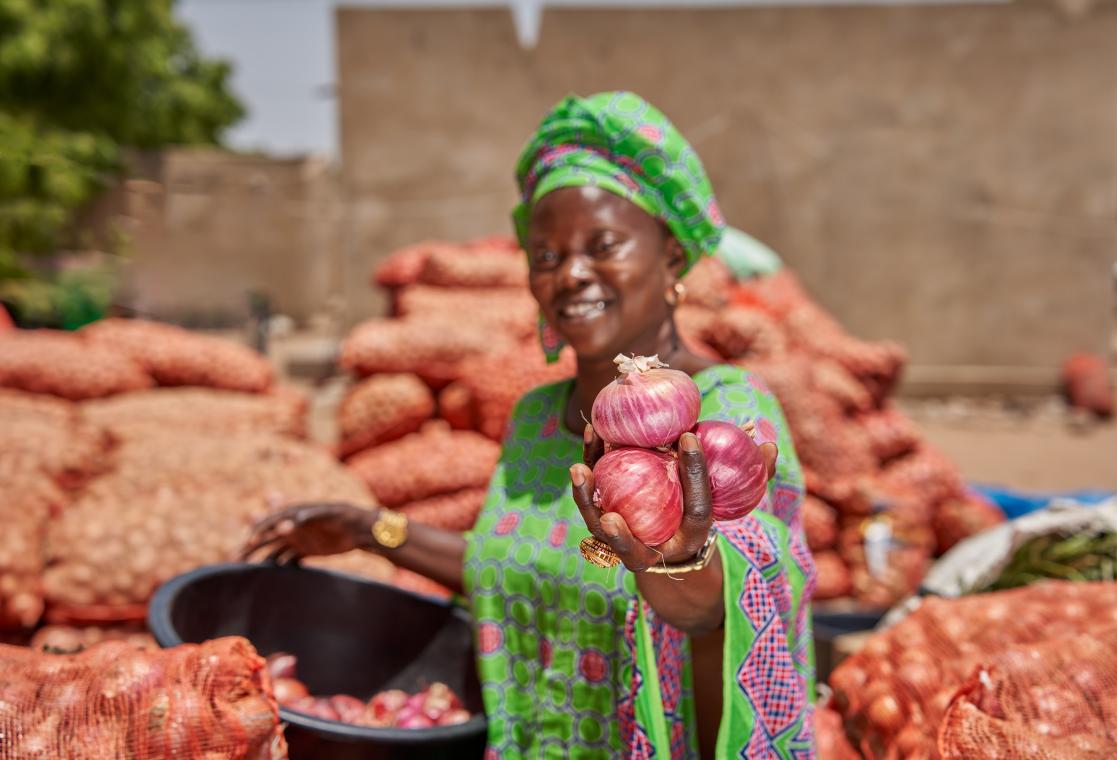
(676, 257)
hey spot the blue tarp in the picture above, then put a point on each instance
(1018, 503)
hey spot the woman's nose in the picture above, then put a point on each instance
(575, 271)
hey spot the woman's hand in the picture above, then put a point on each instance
(308, 530)
(697, 509)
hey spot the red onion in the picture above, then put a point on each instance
(647, 406)
(738, 475)
(642, 486)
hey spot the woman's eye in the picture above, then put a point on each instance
(544, 258)
(605, 247)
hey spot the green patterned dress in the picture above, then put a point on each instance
(573, 664)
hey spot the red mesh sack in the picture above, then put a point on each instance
(820, 523)
(27, 499)
(891, 432)
(508, 310)
(958, 519)
(210, 701)
(475, 268)
(431, 349)
(834, 580)
(382, 408)
(693, 324)
(46, 434)
(431, 462)
(403, 266)
(174, 356)
(453, 511)
(836, 382)
(926, 471)
(455, 405)
(197, 410)
(745, 333)
(174, 503)
(68, 639)
(1046, 701)
(496, 382)
(61, 364)
(708, 283)
(894, 692)
(830, 738)
(1087, 384)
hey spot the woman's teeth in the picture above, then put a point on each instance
(583, 309)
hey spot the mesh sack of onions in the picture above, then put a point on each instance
(894, 692)
(382, 408)
(403, 266)
(46, 434)
(27, 500)
(455, 405)
(739, 333)
(509, 310)
(708, 283)
(452, 511)
(174, 356)
(820, 523)
(1087, 384)
(836, 382)
(891, 432)
(431, 462)
(171, 505)
(1052, 699)
(192, 702)
(68, 639)
(834, 581)
(475, 268)
(693, 324)
(496, 382)
(197, 410)
(830, 739)
(431, 348)
(62, 364)
(957, 519)
(926, 471)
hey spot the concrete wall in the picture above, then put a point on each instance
(945, 176)
(208, 227)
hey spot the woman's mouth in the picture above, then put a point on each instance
(582, 310)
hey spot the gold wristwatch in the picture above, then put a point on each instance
(390, 529)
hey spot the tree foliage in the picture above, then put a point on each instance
(79, 81)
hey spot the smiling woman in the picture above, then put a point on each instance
(601, 654)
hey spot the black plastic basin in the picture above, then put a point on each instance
(351, 636)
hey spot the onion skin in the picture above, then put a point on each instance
(642, 486)
(648, 405)
(738, 474)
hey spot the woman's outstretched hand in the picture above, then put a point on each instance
(308, 530)
(697, 508)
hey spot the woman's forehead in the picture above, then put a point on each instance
(575, 207)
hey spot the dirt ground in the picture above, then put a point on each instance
(1035, 446)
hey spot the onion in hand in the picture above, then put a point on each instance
(737, 471)
(642, 486)
(648, 405)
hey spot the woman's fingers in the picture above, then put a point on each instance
(635, 555)
(593, 447)
(581, 481)
(697, 504)
(770, 453)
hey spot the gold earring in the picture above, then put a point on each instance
(677, 294)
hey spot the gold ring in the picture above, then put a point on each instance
(598, 553)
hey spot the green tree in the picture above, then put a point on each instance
(80, 80)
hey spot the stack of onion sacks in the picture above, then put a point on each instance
(641, 416)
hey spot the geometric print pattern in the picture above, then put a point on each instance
(556, 641)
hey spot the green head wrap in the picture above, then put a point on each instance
(621, 143)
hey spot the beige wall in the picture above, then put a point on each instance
(946, 176)
(208, 226)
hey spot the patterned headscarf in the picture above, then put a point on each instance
(621, 143)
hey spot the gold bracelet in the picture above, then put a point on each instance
(390, 529)
(705, 554)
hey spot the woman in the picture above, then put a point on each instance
(576, 659)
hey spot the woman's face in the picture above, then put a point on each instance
(600, 269)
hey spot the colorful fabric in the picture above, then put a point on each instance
(621, 143)
(564, 671)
